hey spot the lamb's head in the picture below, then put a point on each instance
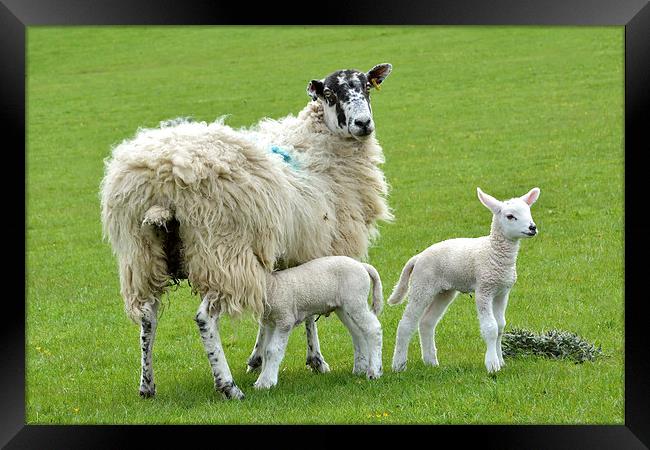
(345, 96)
(512, 217)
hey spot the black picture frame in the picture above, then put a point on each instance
(16, 15)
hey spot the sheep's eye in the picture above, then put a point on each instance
(510, 217)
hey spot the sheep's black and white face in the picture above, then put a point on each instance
(345, 95)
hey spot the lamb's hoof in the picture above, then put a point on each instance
(254, 364)
(373, 375)
(232, 392)
(318, 364)
(147, 391)
(399, 367)
(492, 365)
(359, 371)
(264, 384)
(431, 362)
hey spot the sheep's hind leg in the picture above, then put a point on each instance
(361, 355)
(148, 324)
(369, 335)
(209, 329)
(315, 358)
(428, 323)
(419, 300)
(255, 359)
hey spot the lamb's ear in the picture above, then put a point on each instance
(315, 88)
(531, 197)
(379, 74)
(490, 202)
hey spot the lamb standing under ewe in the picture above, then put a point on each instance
(224, 207)
(320, 286)
(484, 265)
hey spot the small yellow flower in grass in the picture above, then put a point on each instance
(76, 410)
(385, 414)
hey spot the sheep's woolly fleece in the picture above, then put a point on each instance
(241, 209)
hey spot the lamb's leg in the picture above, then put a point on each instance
(372, 336)
(499, 306)
(209, 329)
(428, 323)
(418, 302)
(255, 359)
(315, 359)
(489, 330)
(361, 357)
(148, 324)
(274, 348)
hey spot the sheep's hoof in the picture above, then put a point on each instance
(318, 364)
(399, 367)
(232, 392)
(254, 364)
(148, 392)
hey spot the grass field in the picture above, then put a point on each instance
(503, 108)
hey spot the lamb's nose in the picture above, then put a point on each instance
(532, 227)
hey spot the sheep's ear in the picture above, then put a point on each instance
(490, 202)
(531, 197)
(379, 74)
(315, 88)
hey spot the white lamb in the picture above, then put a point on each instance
(485, 265)
(320, 286)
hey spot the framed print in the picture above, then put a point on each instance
(182, 162)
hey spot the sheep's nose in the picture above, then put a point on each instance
(362, 123)
(532, 227)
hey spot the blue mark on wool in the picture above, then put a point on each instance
(285, 156)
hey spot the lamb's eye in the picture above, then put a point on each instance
(511, 217)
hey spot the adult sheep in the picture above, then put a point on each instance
(223, 207)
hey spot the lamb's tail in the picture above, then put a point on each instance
(377, 294)
(399, 291)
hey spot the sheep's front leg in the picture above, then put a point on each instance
(209, 329)
(489, 330)
(255, 359)
(275, 345)
(148, 324)
(315, 359)
(499, 306)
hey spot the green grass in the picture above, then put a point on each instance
(503, 108)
